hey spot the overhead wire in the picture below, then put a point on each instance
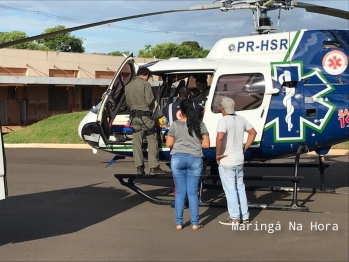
(108, 25)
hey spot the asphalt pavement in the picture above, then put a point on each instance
(64, 205)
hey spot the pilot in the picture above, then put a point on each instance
(141, 100)
(201, 85)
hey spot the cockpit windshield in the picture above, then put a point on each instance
(95, 109)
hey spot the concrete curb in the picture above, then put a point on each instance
(332, 152)
(63, 146)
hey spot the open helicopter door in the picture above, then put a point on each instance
(3, 182)
(250, 87)
(114, 99)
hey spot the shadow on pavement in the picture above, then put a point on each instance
(48, 214)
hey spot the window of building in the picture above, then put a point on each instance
(104, 74)
(247, 90)
(3, 113)
(86, 97)
(57, 98)
(63, 73)
(11, 92)
(9, 71)
(97, 101)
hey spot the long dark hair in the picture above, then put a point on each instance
(193, 123)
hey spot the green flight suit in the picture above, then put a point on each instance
(139, 96)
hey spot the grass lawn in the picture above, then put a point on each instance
(59, 129)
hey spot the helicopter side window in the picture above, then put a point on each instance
(119, 89)
(247, 90)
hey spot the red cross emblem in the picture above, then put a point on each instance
(335, 62)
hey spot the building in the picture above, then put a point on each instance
(35, 85)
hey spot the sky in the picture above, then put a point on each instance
(205, 27)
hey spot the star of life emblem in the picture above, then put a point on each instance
(335, 62)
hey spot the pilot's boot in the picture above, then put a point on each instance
(140, 171)
(157, 171)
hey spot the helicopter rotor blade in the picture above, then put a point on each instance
(322, 10)
(67, 30)
(221, 5)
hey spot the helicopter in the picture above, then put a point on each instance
(291, 86)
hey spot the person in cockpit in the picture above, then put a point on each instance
(201, 85)
(172, 111)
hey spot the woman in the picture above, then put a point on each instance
(187, 136)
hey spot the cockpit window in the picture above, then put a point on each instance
(247, 90)
(339, 36)
(96, 108)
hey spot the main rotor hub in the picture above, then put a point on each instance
(264, 19)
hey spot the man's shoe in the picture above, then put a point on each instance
(230, 222)
(140, 171)
(157, 171)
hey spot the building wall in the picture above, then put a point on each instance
(35, 98)
(37, 103)
(38, 63)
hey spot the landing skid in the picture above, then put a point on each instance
(322, 167)
(204, 185)
(294, 179)
(128, 180)
(130, 184)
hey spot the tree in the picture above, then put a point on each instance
(16, 35)
(62, 42)
(188, 49)
(146, 52)
(193, 44)
(194, 49)
(165, 50)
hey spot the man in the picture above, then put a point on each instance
(230, 158)
(201, 85)
(172, 112)
(140, 99)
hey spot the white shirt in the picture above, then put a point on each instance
(234, 127)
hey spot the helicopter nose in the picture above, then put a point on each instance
(89, 119)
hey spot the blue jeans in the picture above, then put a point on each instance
(232, 178)
(186, 170)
